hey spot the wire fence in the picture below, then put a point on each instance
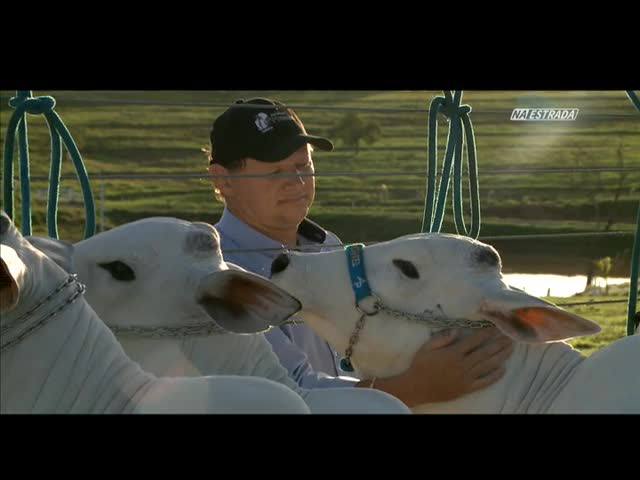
(420, 174)
(541, 236)
(308, 107)
(595, 302)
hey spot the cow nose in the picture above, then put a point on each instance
(280, 263)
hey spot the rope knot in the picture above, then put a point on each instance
(34, 106)
(451, 110)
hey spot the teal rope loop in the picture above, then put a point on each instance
(460, 129)
(635, 254)
(634, 99)
(25, 103)
(34, 106)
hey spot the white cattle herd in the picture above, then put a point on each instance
(149, 318)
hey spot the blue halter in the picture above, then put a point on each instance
(355, 262)
(359, 284)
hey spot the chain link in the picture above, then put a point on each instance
(428, 317)
(437, 321)
(70, 279)
(200, 329)
(354, 337)
(79, 290)
(196, 330)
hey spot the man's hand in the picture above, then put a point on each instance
(447, 367)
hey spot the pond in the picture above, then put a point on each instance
(542, 285)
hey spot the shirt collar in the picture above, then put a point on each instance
(233, 227)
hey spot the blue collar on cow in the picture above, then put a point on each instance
(355, 261)
(361, 289)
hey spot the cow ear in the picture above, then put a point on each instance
(243, 302)
(528, 319)
(11, 269)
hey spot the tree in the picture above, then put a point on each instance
(620, 188)
(603, 267)
(352, 130)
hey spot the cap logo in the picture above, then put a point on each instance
(263, 122)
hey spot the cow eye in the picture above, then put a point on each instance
(119, 270)
(407, 268)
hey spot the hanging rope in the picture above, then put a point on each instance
(634, 99)
(635, 254)
(458, 117)
(25, 103)
(633, 281)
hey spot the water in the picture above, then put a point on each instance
(541, 285)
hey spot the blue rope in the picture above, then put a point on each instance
(24, 103)
(460, 129)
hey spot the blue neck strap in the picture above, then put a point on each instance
(359, 284)
(355, 261)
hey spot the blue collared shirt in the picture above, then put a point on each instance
(310, 360)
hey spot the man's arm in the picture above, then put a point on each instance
(297, 364)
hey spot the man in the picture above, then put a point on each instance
(261, 162)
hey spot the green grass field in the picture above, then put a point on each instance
(131, 138)
(612, 318)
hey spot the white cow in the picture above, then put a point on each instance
(162, 285)
(57, 356)
(427, 282)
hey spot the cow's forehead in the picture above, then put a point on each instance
(158, 230)
(150, 238)
(435, 242)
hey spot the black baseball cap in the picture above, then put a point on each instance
(260, 128)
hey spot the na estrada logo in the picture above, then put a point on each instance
(544, 114)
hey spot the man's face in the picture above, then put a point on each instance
(277, 202)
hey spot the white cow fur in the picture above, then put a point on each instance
(74, 364)
(172, 260)
(544, 374)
